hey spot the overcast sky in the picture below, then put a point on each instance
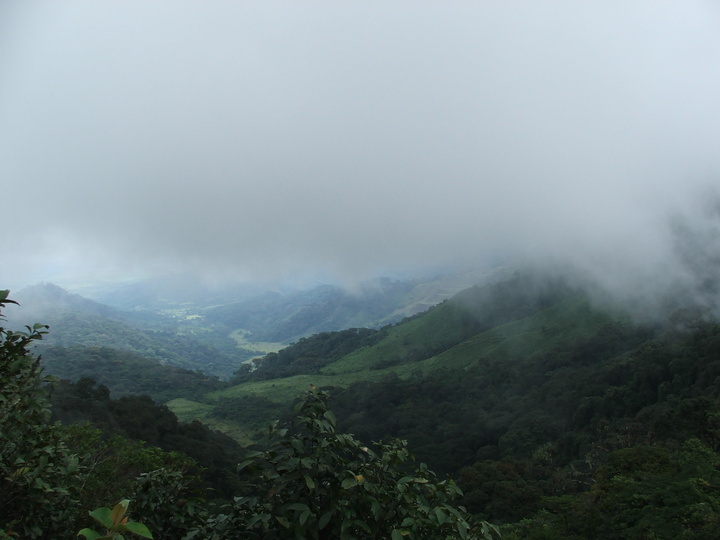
(344, 139)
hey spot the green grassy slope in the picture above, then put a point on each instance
(188, 410)
(447, 337)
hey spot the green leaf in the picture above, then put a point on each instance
(462, 529)
(331, 417)
(361, 524)
(244, 464)
(396, 535)
(102, 516)
(89, 534)
(309, 481)
(298, 445)
(324, 519)
(20, 472)
(376, 509)
(118, 511)
(349, 483)
(139, 529)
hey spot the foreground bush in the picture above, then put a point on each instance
(316, 483)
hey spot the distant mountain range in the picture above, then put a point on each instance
(48, 298)
(282, 313)
(213, 329)
(278, 317)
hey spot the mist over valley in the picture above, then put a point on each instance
(320, 270)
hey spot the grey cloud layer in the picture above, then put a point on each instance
(279, 138)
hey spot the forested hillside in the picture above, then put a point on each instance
(528, 393)
(124, 372)
(558, 417)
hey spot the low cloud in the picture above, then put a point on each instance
(276, 140)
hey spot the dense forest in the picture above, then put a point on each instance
(543, 407)
(539, 410)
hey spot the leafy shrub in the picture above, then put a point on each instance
(39, 476)
(316, 483)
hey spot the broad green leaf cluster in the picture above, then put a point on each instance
(115, 522)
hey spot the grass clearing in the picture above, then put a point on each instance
(187, 410)
(286, 389)
(240, 338)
